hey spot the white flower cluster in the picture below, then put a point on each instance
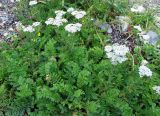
(59, 13)
(35, 24)
(58, 20)
(138, 9)
(72, 28)
(29, 28)
(116, 53)
(144, 71)
(33, 2)
(78, 14)
(157, 89)
(49, 21)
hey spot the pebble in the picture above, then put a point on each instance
(124, 22)
(106, 27)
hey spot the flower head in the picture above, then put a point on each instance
(157, 89)
(49, 21)
(116, 53)
(59, 22)
(144, 71)
(28, 29)
(35, 24)
(78, 14)
(59, 13)
(55, 21)
(72, 28)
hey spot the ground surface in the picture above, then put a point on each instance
(7, 18)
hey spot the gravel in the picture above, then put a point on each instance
(7, 19)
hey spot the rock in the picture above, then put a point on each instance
(106, 27)
(150, 37)
(3, 16)
(110, 30)
(138, 9)
(124, 22)
(154, 38)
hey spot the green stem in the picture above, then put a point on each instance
(62, 2)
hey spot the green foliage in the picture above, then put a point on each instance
(51, 72)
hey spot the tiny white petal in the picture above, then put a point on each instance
(28, 29)
(72, 28)
(78, 14)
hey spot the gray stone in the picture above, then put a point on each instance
(154, 38)
(106, 27)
